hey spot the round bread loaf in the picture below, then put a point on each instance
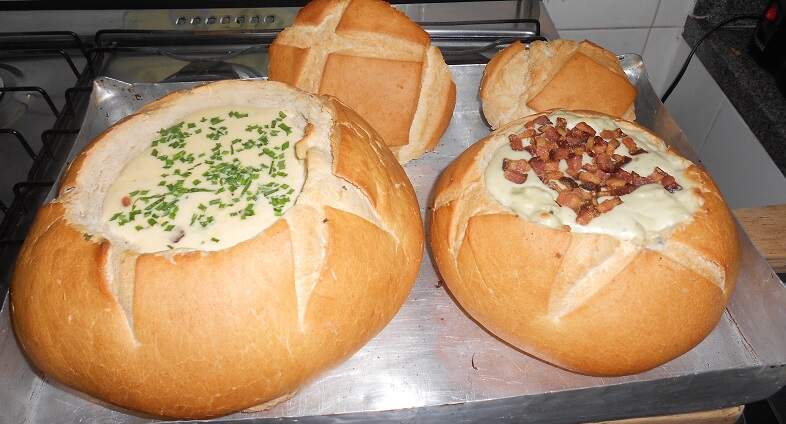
(634, 274)
(185, 331)
(524, 79)
(375, 60)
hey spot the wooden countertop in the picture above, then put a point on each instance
(766, 227)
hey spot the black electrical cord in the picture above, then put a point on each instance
(696, 46)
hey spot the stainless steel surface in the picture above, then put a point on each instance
(433, 364)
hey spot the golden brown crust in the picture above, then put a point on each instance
(202, 334)
(376, 16)
(352, 78)
(554, 294)
(376, 60)
(289, 64)
(522, 80)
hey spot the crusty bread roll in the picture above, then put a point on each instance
(375, 60)
(629, 290)
(521, 80)
(191, 332)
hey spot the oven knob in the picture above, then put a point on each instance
(211, 20)
(240, 20)
(181, 20)
(196, 20)
(255, 19)
(226, 20)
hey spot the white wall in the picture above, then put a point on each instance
(651, 28)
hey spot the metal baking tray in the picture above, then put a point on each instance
(432, 363)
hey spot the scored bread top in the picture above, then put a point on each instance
(377, 61)
(586, 301)
(190, 333)
(525, 79)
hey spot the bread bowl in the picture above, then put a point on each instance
(619, 293)
(523, 79)
(200, 323)
(377, 61)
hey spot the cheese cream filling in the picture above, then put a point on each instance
(218, 177)
(643, 215)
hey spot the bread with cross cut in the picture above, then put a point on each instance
(377, 61)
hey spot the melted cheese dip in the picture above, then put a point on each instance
(643, 214)
(218, 177)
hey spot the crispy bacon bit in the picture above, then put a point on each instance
(585, 128)
(530, 149)
(552, 175)
(618, 133)
(559, 153)
(515, 142)
(515, 171)
(599, 146)
(517, 165)
(633, 149)
(623, 175)
(570, 199)
(590, 186)
(621, 191)
(589, 167)
(604, 162)
(515, 177)
(568, 182)
(615, 182)
(638, 180)
(542, 152)
(537, 165)
(552, 134)
(562, 123)
(574, 163)
(612, 146)
(620, 160)
(126, 201)
(589, 177)
(587, 213)
(670, 184)
(551, 166)
(607, 134)
(540, 120)
(609, 204)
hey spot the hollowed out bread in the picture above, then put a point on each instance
(586, 302)
(521, 80)
(199, 334)
(375, 60)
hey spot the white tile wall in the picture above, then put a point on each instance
(695, 103)
(662, 56)
(672, 13)
(582, 14)
(740, 166)
(618, 40)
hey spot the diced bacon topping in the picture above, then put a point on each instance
(585, 128)
(609, 204)
(582, 183)
(515, 171)
(516, 143)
